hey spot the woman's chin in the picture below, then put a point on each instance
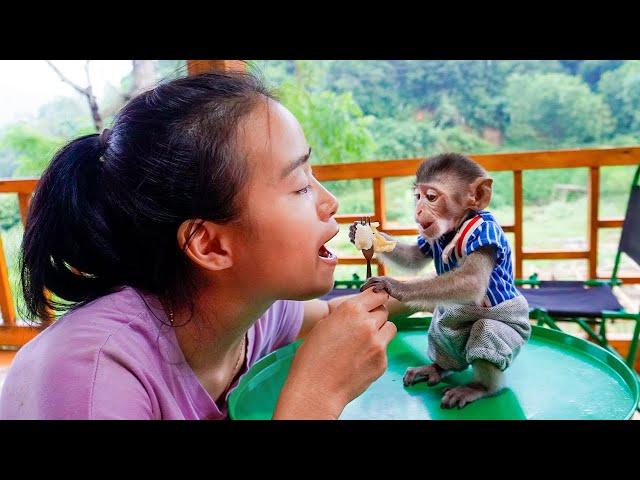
(315, 288)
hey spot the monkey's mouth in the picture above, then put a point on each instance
(426, 225)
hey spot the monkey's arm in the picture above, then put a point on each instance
(466, 284)
(404, 255)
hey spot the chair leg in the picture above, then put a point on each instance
(548, 319)
(592, 334)
(633, 348)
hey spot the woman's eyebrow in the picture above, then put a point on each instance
(295, 164)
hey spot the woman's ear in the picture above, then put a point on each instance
(207, 244)
(480, 192)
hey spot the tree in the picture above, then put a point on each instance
(31, 149)
(141, 78)
(621, 89)
(592, 70)
(334, 124)
(554, 110)
(87, 92)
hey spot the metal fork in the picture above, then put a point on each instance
(368, 253)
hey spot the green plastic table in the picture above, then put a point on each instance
(555, 376)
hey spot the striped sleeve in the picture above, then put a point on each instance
(486, 233)
(424, 246)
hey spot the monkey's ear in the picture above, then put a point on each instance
(480, 193)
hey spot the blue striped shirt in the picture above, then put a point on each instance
(479, 231)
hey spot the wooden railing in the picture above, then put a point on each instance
(592, 159)
(378, 171)
(10, 332)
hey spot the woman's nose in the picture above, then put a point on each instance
(328, 206)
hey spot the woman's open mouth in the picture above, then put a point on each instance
(326, 255)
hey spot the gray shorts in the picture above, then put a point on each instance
(460, 334)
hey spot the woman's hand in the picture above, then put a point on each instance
(341, 356)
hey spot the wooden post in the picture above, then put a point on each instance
(592, 211)
(23, 202)
(195, 67)
(6, 299)
(517, 230)
(379, 207)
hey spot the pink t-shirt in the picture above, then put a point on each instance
(113, 359)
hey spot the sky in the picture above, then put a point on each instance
(26, 85)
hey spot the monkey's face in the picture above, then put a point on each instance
(440, 206)
(288, 213)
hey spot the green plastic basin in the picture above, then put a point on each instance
(556, 376)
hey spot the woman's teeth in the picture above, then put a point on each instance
(325, 252)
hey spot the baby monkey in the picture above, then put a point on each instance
(479, 316)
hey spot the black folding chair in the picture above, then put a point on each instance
(591, 302)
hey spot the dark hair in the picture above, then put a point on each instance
(445, 163)
(105, 212)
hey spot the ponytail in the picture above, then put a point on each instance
(66, 246)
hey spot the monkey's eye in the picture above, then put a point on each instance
(417, 196)
(431, 196)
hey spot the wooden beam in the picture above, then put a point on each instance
(17, 336)
(195, 67)
(380, 207)
(517, 225)
(24, 185)
(23, 202)
(350, 217)
(6, 298)
(534, 160)
(593, 196)
(355, 260)
(611, 223)
(554, 254)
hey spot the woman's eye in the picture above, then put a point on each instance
(304, 191)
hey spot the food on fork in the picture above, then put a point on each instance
(367, 236)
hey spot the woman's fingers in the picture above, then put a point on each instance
(379, 315)
(388, 331)
(371, 300)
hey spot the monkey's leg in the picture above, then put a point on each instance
(488, 380)
(432, 374)
(446, 351)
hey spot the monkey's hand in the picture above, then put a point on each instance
(392, 286)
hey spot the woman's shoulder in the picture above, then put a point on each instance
(82, 333)
(60, 366)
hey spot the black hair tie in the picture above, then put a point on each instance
(104, 137)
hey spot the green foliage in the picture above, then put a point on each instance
(170, 69)
(592, 70)
(403, 138)
(64, 117)
(32, 149)
(9, 213)
(555, 110)
(378, 86)
(334, 124)
(621, 89)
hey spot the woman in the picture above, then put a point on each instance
(184, 243)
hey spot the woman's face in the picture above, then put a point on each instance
(289, 213)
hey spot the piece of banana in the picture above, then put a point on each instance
(366, 236)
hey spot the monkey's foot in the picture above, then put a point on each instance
(431, 374)
(463, 395)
